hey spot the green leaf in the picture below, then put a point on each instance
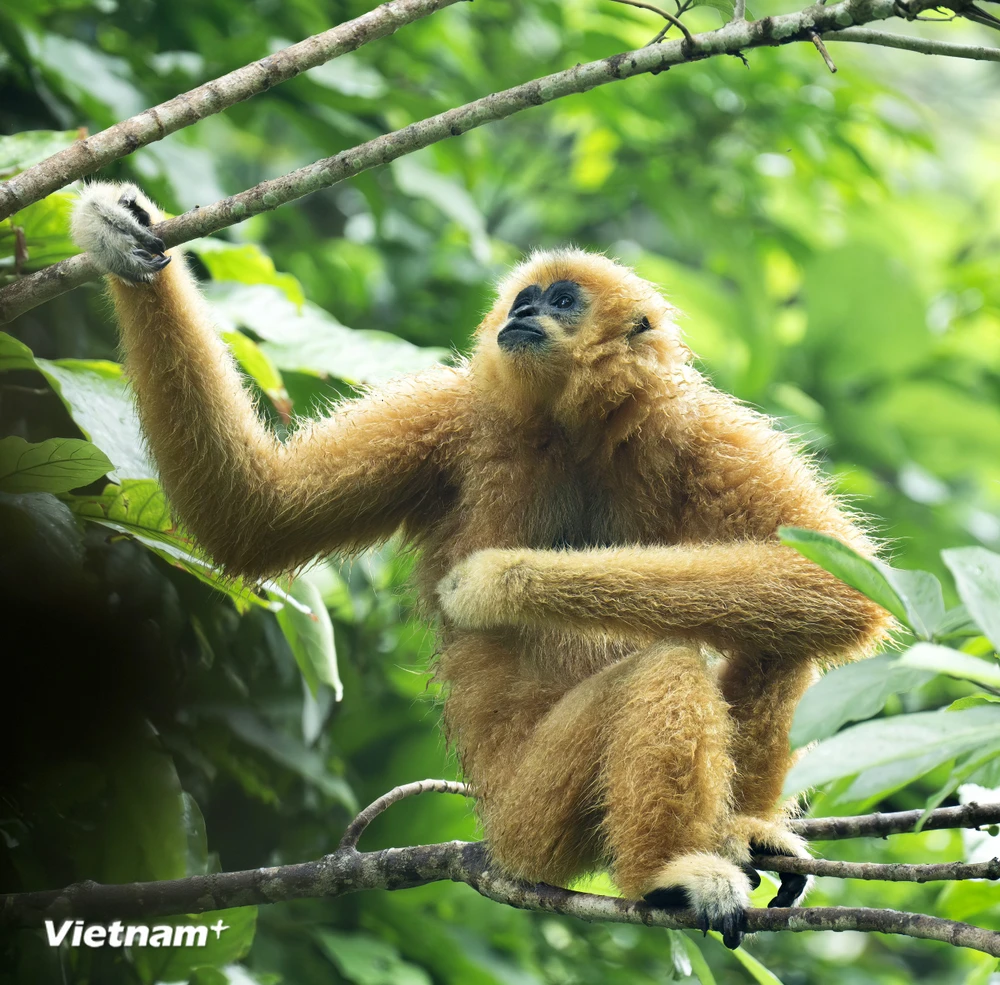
(56, 465)
(698, 963)
(176, 964)
(954, 663)
(139, 508)
(310, 340)
(899, 748)
(921, 595)
(847, 565)
(977, 577)
(286, 751)
(851, 693)
(309, 633)
(100, 403)
(366, 960)
(256, 364)
(245, 263)
(20, 151)
(15, 354)
(956, 624)
(757, 970)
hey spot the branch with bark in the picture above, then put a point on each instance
(815, 23)
(347, 870)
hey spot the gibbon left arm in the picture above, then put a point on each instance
(749, 594)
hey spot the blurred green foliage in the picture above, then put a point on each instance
(834, 244)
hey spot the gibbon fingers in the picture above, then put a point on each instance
(593, 518)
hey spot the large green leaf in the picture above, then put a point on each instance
(15, 354)
(19, 151)
(245, 263)
(139, 508)
(97, 397)
(847, 565)
(310, 340)
(56, 465)
(954, 663)
(901, 748)
(852, 693)
(977, 577)
(310, 635)
(366, 960)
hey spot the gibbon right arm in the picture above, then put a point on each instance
(257, 506)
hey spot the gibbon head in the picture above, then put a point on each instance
(577, 335)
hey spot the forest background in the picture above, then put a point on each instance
(834, 244)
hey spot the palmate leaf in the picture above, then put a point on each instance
(55, 466)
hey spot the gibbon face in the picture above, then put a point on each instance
(577, 335)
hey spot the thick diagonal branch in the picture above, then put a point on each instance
(91, 153)
(30, 291)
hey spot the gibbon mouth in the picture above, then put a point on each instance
(521, 333)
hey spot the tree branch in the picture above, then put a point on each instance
(924, 46)
(891, 872)
(86, 156)
(347, 871)
(28, 292)
(971, 815)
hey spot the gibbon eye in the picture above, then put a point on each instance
(564, 301)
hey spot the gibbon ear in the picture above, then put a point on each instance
(642, 325)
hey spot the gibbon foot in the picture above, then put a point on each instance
(112, 222)
(716, 889)
(750, 836)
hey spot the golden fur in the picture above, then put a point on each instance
(589, 521)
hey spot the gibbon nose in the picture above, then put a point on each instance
(521, 333)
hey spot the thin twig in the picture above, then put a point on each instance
(91, 153)
(671, 20)
(30, 291)
(356, 828)
(924, 46)
(739, 11)
(885, 872)
(971, 815)
(821, 48)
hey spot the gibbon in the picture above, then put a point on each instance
(596, 529)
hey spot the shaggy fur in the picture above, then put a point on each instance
(592, 518)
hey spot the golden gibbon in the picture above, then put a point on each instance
(623, 639)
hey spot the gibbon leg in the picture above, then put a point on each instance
(531, 751)
(666, 777)
(763, 692)
(629, 767)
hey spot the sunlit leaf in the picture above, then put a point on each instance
(977, 577)
(310, 340)
(852, 693)
(903, 747)
(954, 663)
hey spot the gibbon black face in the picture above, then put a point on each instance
(535, 313)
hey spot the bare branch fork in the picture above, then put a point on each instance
(347, 870)
(829, 23)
